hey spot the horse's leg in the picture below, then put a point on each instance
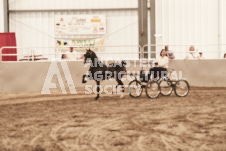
(83, 78)
(120, 83)
(113, 92)
(98, 90)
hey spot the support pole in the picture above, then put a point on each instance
(153, 31)
(6, 15)
(143, 27)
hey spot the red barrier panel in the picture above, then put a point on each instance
(8, 39)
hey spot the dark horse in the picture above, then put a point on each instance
(99, 71)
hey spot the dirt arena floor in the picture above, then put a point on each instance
(34, 122)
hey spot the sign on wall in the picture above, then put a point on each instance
(80, 44)
(80, 24)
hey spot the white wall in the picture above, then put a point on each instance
(2, 21)
(30, 76)
(223, 25)
(180, 22)
(70, 4)
(190, 22)
(36, 29)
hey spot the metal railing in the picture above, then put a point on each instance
(209, 51)
(136, 52)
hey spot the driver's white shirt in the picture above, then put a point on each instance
(163, 61)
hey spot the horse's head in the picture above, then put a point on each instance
(89, 55)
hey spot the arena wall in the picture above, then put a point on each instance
(17, 77)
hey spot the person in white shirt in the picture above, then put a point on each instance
(73, 55)
(192, 54)
(160, 70)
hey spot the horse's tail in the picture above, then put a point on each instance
(123, 63)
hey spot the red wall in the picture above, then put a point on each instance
(8, 39)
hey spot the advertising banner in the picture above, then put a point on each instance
(80, 44)
(80, 24)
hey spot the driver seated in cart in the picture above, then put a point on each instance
(160, 69)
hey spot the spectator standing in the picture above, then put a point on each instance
(72, 55)
(169, 53)
(192, 54)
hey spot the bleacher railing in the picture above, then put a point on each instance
(135, 52)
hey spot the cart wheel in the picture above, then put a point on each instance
(165, 87)
(152, 89)
(181, 88)
(135, 88)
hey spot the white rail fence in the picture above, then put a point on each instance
(135, 52)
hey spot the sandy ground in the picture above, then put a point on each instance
(76, 122)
